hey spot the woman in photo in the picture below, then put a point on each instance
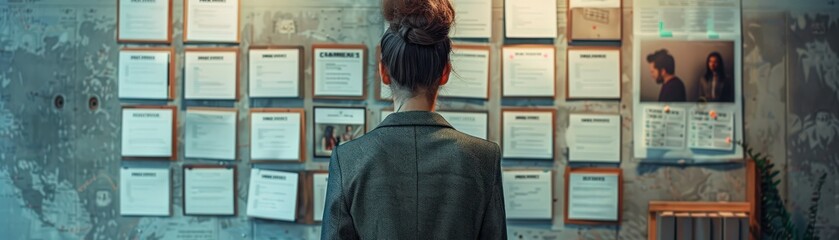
(329, 141)
(715, 86)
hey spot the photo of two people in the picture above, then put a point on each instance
(332, 135)
(687, 71)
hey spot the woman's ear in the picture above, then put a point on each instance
(383, 74)
(446, 72)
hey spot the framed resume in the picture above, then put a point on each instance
(383, 91)
(474, 19)
(320, 180)
(147, 73)
(593, 73)
(528, 71)
(595, 20)
(594, 138)
(528, 194)
(277, 134)
(210, 133)
(209, 190)
(314, 201)
(472, 123)
(530, 19)
(148, 132)
(273, 194)
(339, 71)
(211, 73)
(145, 191)
(275, 72)
(146, 21)
(593, 196)
(211, 21)
(470, 73)
(337, 125)
(528, 133)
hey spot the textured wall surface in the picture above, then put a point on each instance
(59, 168)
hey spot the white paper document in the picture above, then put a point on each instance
(209, 191)
(321, 180)
(473, 19)
(338, 116)
(594, 74)
(212, 21)
(144, 191)
(274, 73)
(711, 130)
(339, 72)
(384, 114)
(144, 20)
(593, 196)
(273, 194)
(385, 92)
(665, 128)
(530, 19)
(470, 74)
(210, 75)
(472, 123)
(594, 3)
(594, 138)
(336, 126)
(528, 194)
(144, 74)
(715, 19)
(528, 135)
(210, 134)
(276, 135)
(147, 132)
(528, 72)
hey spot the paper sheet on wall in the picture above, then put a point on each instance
(528, 194)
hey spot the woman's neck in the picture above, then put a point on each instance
(419, 102)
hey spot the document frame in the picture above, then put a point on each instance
(168, 39)
(238, 25)
(301, 68)
(361, 47)
(568, 30)
(538, 110)
(206, 166)
(486, 48)
(379, 84)
(531, 46)
(171, 193)
(484, 112)
(306, 208)
(553, 188)
(174, 110)
(594, 48)
(620, 136)
(611, 171)
(302, 136)
(315, 126)
(172, 65)
(216, 109)
(237, 95)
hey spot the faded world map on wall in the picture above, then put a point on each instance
(59, 156)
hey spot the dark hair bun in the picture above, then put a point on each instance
(421, 22)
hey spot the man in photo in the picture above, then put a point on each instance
(663, 70)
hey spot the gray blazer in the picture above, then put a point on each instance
(415, 177)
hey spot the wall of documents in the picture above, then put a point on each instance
(193, 119)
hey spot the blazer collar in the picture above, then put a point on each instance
(414, 118)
